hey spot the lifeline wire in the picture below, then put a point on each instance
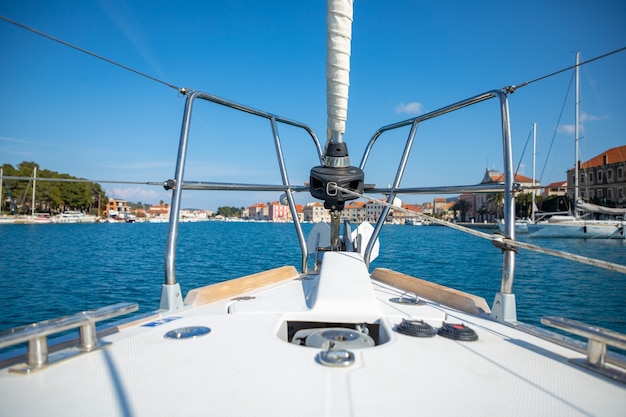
(498, 239)
(183, 91)
(513, 88)
(7, 177)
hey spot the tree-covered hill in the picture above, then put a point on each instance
(50, 196)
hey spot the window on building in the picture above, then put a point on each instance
(609, 193)
(620, 173)
(599, 176)
(599, 192)
(590, 194)
(620, 193)
(582, 177)
(582, 194)
(609, 174)
(591, 178)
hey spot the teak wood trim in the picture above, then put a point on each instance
(234, 287)
(443, 295)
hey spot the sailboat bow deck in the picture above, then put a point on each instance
(249, 363)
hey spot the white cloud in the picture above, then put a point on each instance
(136, 194)
(584, 117)
(413, 108)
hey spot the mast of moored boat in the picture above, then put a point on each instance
(576, 110)
(532, 209)
(32, 209)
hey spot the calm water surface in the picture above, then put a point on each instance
(47, 271)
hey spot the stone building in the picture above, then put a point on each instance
(601, 179)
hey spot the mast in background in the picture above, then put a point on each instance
(532, 212)
(32, 209)
(576, 110)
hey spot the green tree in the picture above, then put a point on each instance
(482, 212)
(463, 206)
(229, 211)
(50, 196)
(496, 203)
(523, 204)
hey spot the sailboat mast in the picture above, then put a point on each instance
(576, 110)
(532, 212)
(32, 209)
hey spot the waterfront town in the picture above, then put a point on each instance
(601, 181)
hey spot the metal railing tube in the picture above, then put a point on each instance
(414, 122)
(289, 194)
(172, 234)
(170, 293)
(456, 106)
(392, 195)
(508, 268)
(455, 189)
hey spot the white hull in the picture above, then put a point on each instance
(521, 226)
(579, 229)
(74, 217)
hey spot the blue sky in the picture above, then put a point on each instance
(72, 113)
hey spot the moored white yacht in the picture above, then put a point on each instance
(327, 337)
(71, 216)
(578, 226)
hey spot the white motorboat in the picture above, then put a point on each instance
(327, 337)
(72, 216)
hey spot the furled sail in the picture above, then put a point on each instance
(335, 173)
(594, 208)
(338, 39)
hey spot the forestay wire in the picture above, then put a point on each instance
(499, 240)
(181, 90)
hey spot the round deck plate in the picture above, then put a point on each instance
(187, 332)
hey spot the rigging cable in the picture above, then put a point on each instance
(558, 123)
(499, 240)
(513, 88)
(9, 177)
(183, 91)
(523, 153)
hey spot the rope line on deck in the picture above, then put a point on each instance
(499, 240)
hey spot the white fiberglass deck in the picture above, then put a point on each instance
(244, 367)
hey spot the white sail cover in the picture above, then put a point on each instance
(338, 38)
(594, 208)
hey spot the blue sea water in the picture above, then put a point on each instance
(47, 271)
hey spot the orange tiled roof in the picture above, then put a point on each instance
(412, 207)
(613, 155)
(355, 204)
(518, 178)
(557, 184)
